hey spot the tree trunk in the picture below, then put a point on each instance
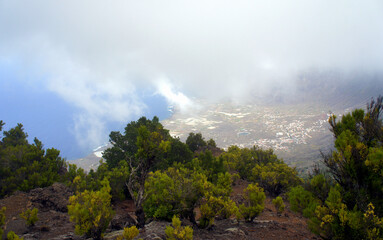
(140, 217)
(191, 217)
(138, 201)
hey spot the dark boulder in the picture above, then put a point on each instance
(55, 197)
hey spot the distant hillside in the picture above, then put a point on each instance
(91, 161)
(293, 123)
(336, 90)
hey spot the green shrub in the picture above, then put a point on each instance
(210, 165)
(30, 216)
(275, 177)
(91, 211)
(195, 141)
(254, 202)
(243, 160)
(129, 233)
(216, 207)
(25, 166)
(334, 221)
(207, 216)
(13, 236)
(319, 186)
(177, 232)
(373, 224)
(223, 185)
(356, 163)
(279, 205)
(174, 191)
(302, 201)
(118, 177)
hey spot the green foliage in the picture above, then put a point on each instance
(91, 211)
(79, 181)
(125, 146)
(2, 214)
(210, 165)
(351, 209)
(357, 163)
(195, 141)
(144, 146)
(333, 219)
(279, 204)
(211, 143)
(302, 201)
(75, 173)
(151, 145)
(15, 136)
(244, 160)
(179, 153)
(26, 166)
(13, 236)
(129, 233)
(275, 177)
(319, 186)
(174, 191)
(254, 202)
(347, 210)
(179, 190)
(177, 232)
(223, 186)
(217, 202)
(216, 207)
(117, 178)
(30, 216)
(373, 224)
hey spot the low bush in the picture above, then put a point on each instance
(91, 211)
(177, 232)
(30, 216)
(279, 204)
(302, 201)
(275, 177)
(129, 233)
(254, 202)
(13, 236)
(216, 207)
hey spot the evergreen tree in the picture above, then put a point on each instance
(356, 164)
(143, 146)
(195, 141)
(24, 166)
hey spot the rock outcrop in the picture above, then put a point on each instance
(55, 197)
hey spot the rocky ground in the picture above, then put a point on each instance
(54, 221)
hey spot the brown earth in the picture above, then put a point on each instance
(54, 221)
(268, 225)
(53, 217)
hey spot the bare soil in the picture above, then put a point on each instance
(268, 225)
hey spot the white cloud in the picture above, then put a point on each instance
(173, 97)
(96, 54)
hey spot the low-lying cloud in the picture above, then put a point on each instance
(97, 54)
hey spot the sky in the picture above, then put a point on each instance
(72, 71)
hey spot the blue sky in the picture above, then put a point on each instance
(72, 71)
(50, 118)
